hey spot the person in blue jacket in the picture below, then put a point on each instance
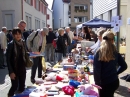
(108, 64)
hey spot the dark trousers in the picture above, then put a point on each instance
(1, 57)
(36, 63)
(109, 89)
(18, 83)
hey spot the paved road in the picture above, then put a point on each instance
(5, 84)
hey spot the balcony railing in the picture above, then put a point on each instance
(81, 10)
(69, 12)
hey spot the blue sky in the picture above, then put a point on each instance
(49, 3)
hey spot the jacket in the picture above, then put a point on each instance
(3, 40)
(60, 44)
(107, 72)
(35, 46)
(11, 58)
(50, 37)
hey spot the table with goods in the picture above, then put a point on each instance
(73, 77)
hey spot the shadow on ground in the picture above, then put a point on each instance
(122, 91)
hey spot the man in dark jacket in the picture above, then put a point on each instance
(49, 47)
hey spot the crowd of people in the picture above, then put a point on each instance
(60, 43)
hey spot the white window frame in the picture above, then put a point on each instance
(37, 23)
(84, 19)
(28, 16)
(5, 12)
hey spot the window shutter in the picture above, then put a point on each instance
(39, 5)
(35, 3)
(32, 2)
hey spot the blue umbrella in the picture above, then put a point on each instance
(96, 23)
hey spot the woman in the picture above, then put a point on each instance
(15, 55)
(61, 45)
(108, 64)
(86, 35)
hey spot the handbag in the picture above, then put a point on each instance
(29, 62)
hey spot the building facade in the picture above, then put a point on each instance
(104, 9)
(32, 11)
(70, 12)
(49, 18)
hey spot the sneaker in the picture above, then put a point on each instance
(33, 81)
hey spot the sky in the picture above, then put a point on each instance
(49, 3)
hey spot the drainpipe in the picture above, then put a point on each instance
(63, 15)
(118, 14)
(22, 9)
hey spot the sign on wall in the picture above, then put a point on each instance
(116, 22)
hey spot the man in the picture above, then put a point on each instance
(3, 45)
(22, 25)
(38, 46)
(69, 37)
(49, 47)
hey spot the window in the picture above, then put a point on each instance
(8, 19)
(28, 1)
(48, 17)
(80, 19)
(69, 20)
(37, 4)
(28, 21)
(81, 7)
(37, 23)
(43, 24)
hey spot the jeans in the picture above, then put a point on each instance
(50, 48)
(37, 62)
(109, 89)
(1, 57)
(18, 83)
(59, 57)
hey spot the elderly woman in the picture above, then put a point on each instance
(36, 42)
(61, 45)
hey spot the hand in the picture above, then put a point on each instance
(36, 52)
(12, 76)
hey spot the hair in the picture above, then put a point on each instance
(16, 30)
(4, 28)
(67, 28)
(60, 30)
(100, 32)
(86, 30)
(50, 28)
(22, 21)
(107, 48)
(46, 30)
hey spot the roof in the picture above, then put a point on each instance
(44, 2)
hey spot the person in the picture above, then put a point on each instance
(3, 45)
(96, 46)
(108, 64)
(61, 45)
(69, 36)
(86, 35)
(38, 46)
(9, 36)
(15, 56)
(49, 47)
(22, 25)
(93, 35)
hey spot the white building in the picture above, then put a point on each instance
(32, 11)
(49, 18)
(104, 9)
(60, 14)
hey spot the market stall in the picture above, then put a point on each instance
(73, 77)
